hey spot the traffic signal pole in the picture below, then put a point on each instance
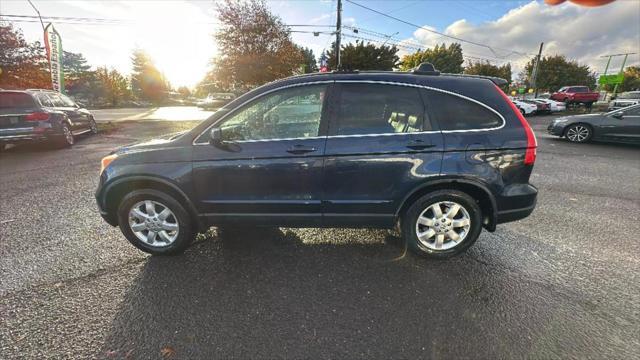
(338, 31)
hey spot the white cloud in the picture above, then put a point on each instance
(580, 33)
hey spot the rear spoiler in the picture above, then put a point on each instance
(496, 80)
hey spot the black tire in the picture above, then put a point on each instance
(578, 129)
(410, 217)
(93, 126)
(522, 112)
(66, 139)
(187, 229)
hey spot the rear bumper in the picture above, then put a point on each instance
(25, 134)
(516, 202)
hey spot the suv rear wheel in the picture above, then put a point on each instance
(65, 139)
(155, 222)
(442, 224)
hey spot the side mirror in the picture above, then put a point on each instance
(215, 137)
(617, 115)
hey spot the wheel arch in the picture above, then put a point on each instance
(473, 188)
(118, 189)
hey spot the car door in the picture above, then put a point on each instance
(269, 167)
(79, 120)
(380, 147)
(623, 127)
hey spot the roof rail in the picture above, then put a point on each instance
(38, 90)
(496, 80)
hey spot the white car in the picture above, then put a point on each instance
(525, 108)
(555, 106)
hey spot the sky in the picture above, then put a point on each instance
(178, 34)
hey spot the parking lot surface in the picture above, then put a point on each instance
(563, 283)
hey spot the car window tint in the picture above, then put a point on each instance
(632, 112)
(56, 100)
(456, 113)
(579, 89)
(44, 100)
(288, 113)
(66, 101)
(379, 109)
(16, 100)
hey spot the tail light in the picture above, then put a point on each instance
(532, 143)
(36, 116)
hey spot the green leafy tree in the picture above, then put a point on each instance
(361, 56)
(184, 91)
(309, 60)
(77, 74)
(147, 82)
(254, 47)
(446, 59)
(22, 64)
(113, 86)
(488, 69)
(556, 71)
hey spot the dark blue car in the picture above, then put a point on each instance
(442, 156)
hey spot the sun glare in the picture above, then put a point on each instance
(178, 38)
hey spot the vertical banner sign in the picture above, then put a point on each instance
(53, 44)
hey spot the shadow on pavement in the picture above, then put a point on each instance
(270, 295)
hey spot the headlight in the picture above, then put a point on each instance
(106, 161)
(561, 120)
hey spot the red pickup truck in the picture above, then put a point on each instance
(575, 94)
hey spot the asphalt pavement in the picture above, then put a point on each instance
(562, 283)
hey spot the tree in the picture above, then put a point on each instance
(24, 65)
(254, 47)
(630, 81)
(361, 56)
(556, 71)
(309, 60)
(147, 82)
(487, 69)
(77, 74)
(114, 86)
(444, 59)
(184, 91)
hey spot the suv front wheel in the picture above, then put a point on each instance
(155, 222)
(442, 224)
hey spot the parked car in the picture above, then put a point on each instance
(622, 125)
(554, 106)
(625, 99)
(441, 155)
(216, 100)
(525, 107)
(576, 95)
(42, 115)
(541, 106)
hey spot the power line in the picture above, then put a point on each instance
(112, 21)
(437, 32)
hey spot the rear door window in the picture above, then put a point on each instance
(44, 100)
(16, 100)
(379, 109)
(456, 113)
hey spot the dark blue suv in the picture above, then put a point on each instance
(440, 156)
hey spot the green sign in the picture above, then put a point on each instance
(521, 90)
(613, 79)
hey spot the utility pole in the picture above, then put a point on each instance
(38, 12)
(534, 74)
(338, 33)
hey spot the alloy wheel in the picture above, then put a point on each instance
(578, 133)
(68, 136)
(153, 223)
(93, 126)
(443, 225)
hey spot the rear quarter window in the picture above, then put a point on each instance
(16, 100)
(456, 113)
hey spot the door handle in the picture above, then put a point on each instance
(419, 145)
(301, 149)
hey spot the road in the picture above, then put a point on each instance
(562, 283)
